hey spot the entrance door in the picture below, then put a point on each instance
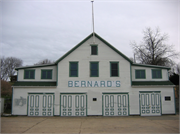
(115, 105)
(40, 105)
(73, 105)
(150, 103)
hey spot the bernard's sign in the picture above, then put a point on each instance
(93, 83)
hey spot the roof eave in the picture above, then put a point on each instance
(35, 66)
(142, 86)
(35, 86)
(152, 66)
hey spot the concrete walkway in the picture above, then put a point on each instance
(92, 124)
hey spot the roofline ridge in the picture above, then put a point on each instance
(100, 38)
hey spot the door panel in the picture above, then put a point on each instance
(40, 105)
(115, 104)
(73, 104)
(150, 103)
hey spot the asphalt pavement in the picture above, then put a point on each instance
(91, 124)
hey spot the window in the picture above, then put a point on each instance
(94, 50)
(167, 98)
(29, 74)
(94, 69)
(46, 74)
(114, 68)
(140, 74)
(73, 66)
(156, 73)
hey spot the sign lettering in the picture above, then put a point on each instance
(94, 84)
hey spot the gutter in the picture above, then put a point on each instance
(136, 86)
(34, 86)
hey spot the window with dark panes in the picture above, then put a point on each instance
(156, 73)
(46, 74)
(114, 69)
(94, 69)
(73, 69)
(29, 74)
(167, 98)
(140, 74)
(94, 50)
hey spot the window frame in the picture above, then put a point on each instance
(140, 74)
(96, 50)
(110, 68)
(46, 73)
(97, 69)
(70, 69)
(156, 70)
(29, 73)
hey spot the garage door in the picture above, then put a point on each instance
(115, 104)
(150, 103)
(40, 104)
(73, 104)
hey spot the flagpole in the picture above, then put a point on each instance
(93, 21)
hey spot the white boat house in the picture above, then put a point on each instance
(93, 79)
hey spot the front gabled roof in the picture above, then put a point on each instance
(88, 37)
(105, 42)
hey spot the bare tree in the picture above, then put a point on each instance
(175, 69)
(153, 49)
(8, 66)
(131, 59)
(45, 61)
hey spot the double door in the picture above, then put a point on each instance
(150, 103)
(40, 105)
(73, 104)
(115, 105)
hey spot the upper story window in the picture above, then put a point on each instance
(94, 50)
(94, 69)
(73, 69)
(114, 69)
(46, 74)
(156, 73)
(29, 74)
(140, 74)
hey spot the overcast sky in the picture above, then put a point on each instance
(33, 30)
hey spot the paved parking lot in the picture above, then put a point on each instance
(92, 124)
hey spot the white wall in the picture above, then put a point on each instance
(83, 55)
(168, 107)
(37, 74)
(95, 107)
(2, 105)
(19, 92)
(149, 74)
